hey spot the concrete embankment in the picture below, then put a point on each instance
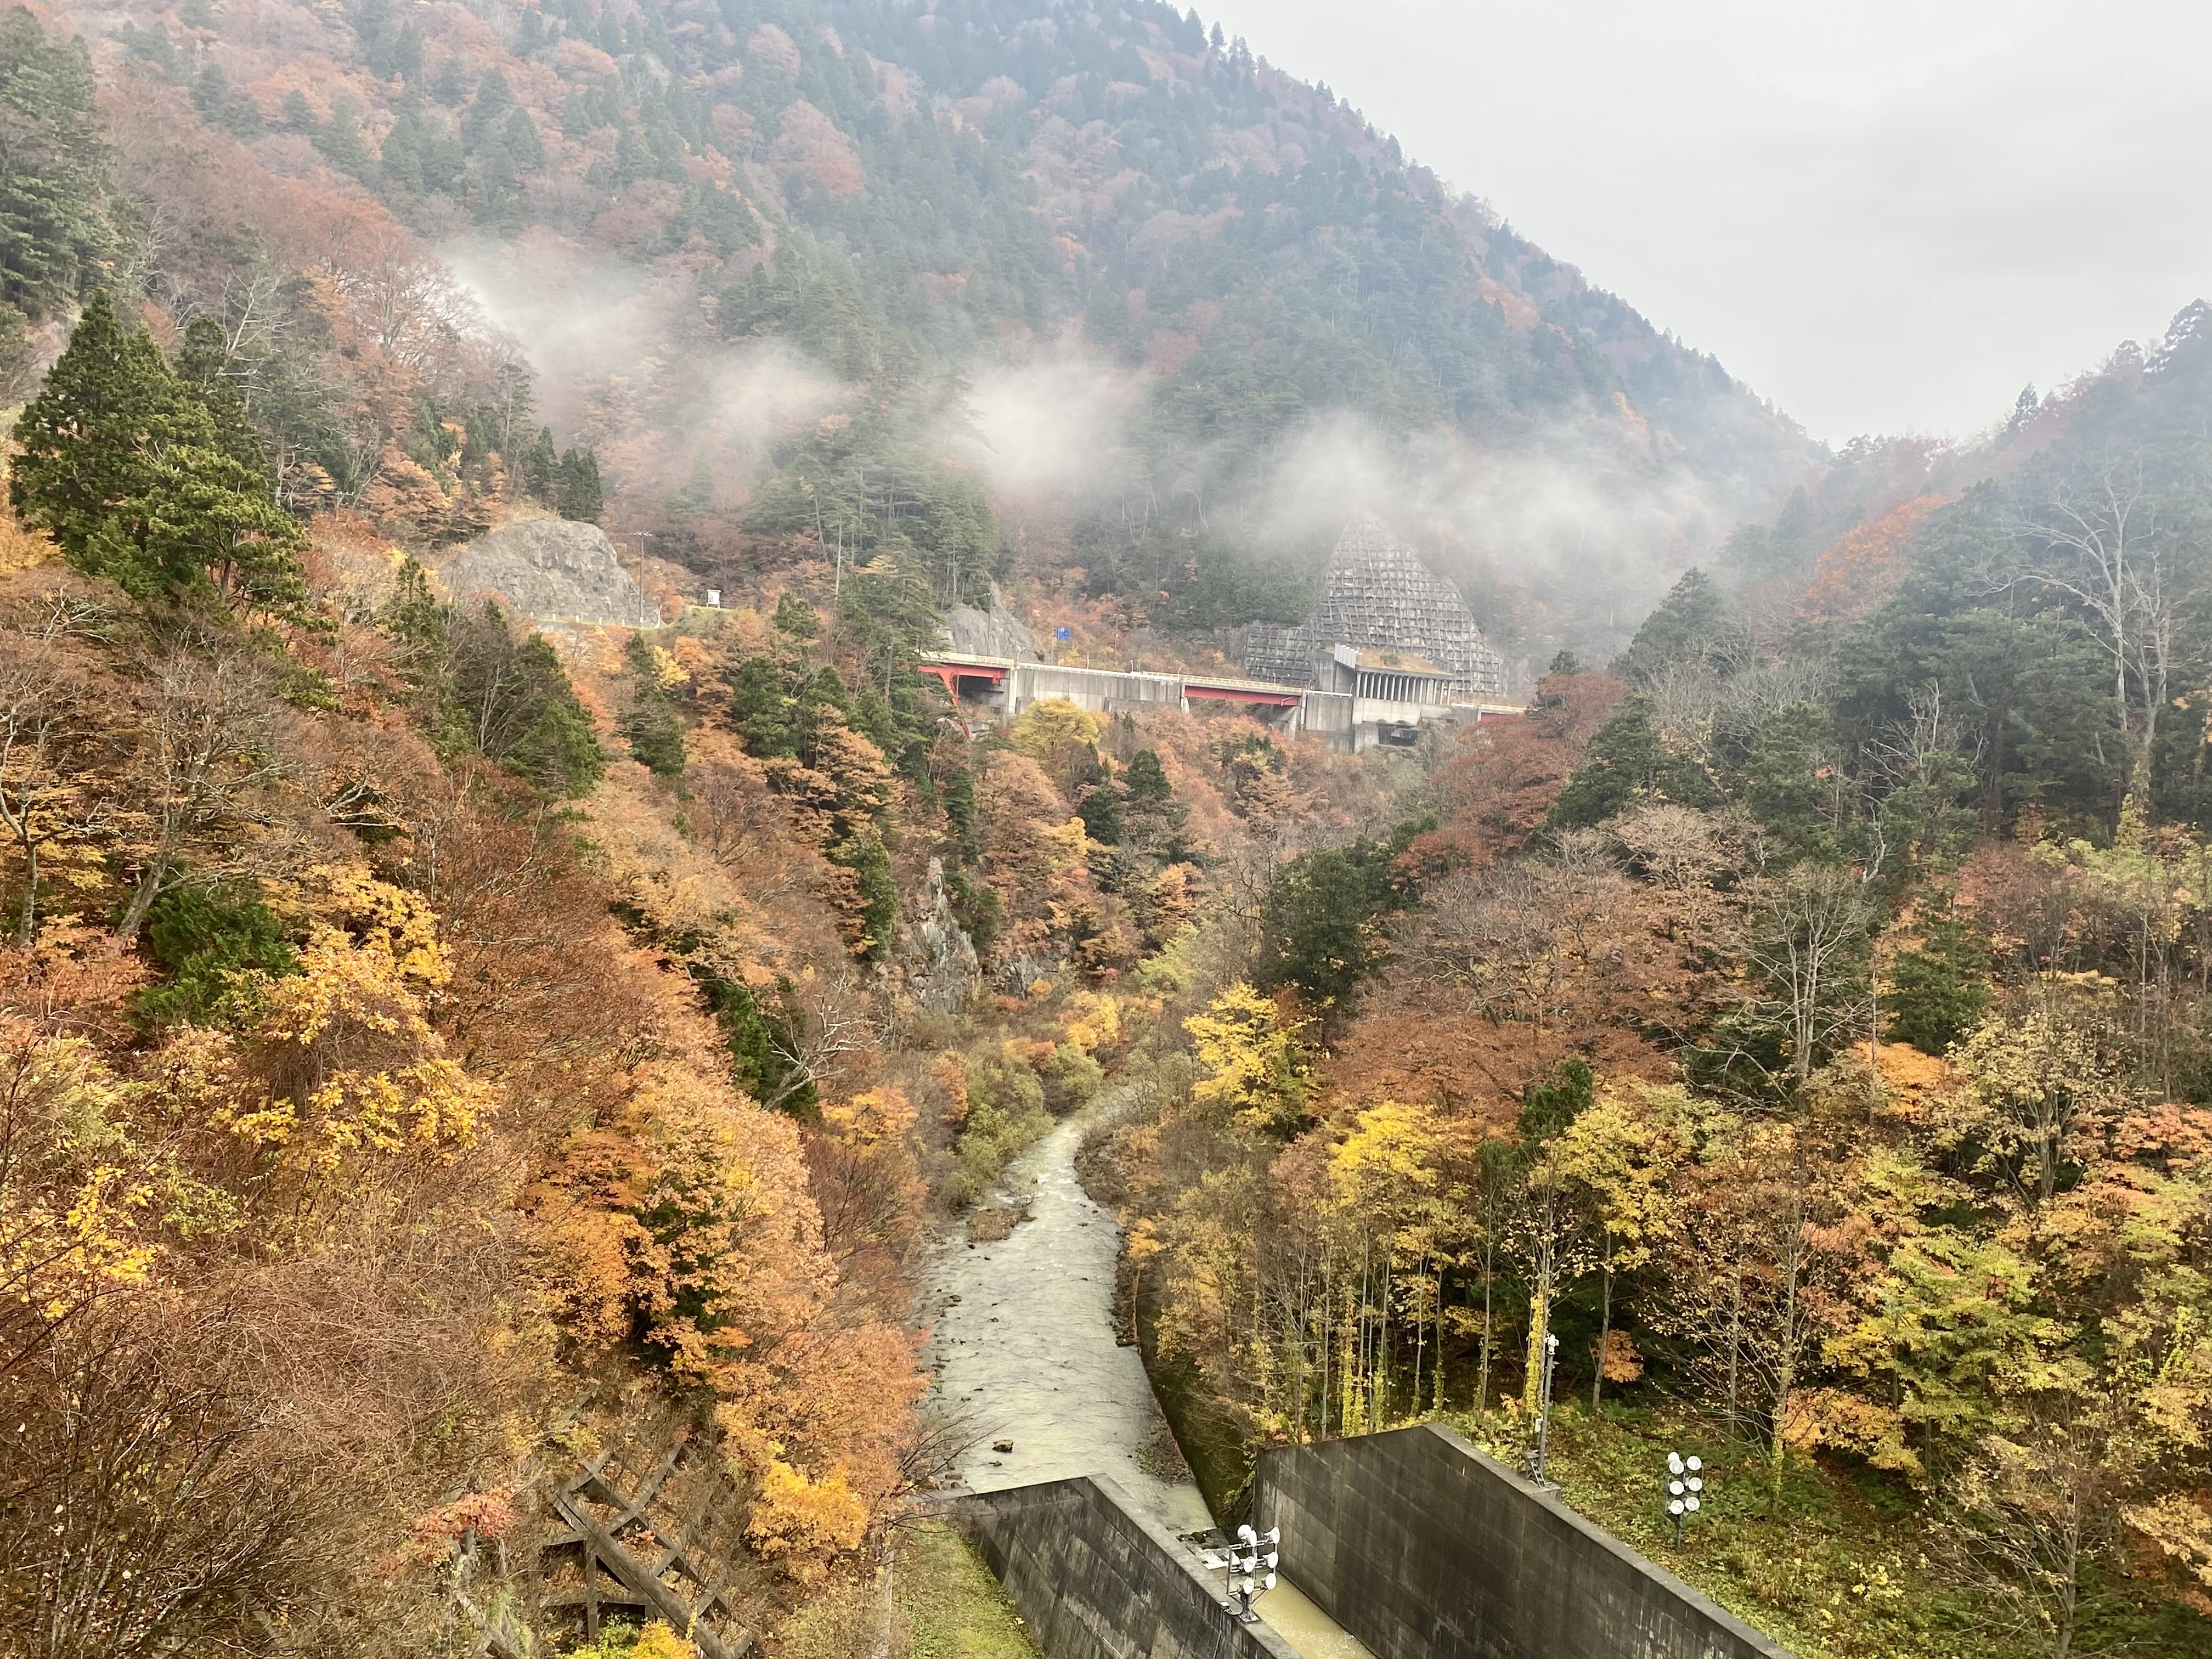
(1094, 1578)
(1424, 1548)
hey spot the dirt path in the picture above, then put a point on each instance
(1025, 1351)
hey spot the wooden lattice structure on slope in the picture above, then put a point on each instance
(649, 1527)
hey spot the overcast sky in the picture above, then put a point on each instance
(1884, 215)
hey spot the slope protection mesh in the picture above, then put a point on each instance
(1377, 595)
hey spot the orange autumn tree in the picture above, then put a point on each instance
(687, 1223)
(1863, 569)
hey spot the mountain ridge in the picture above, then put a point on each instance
(896, 194)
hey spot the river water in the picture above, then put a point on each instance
(1024, 1352)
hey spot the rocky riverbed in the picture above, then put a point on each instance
(1028, 1360)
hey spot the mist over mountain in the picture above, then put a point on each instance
(1177, 309)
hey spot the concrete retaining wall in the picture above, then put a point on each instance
(1424, 1548)
(1098, 689)
(1329, 713)
(1093, 1579)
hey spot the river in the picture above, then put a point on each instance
(1025, 1357)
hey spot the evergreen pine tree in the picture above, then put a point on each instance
(1101, 813)
(1146, 781)
(577, 494)
(525, 150)
(342, 145)
(493, 100)
(82, 470)
(1937, 993)
(297, 115)
(652, 730)
(399, 157)
(54, 229)
(203, 369)
(451, 84)
(149, 50)
(141, 482)
(541, 466)
(1626, 761)
(1694, 625)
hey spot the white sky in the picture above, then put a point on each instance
(1886, 216)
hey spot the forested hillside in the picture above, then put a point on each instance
(432, 1049)
(1804, 1019)
(427, 1056)
(754, 252)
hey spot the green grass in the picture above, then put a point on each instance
(1849, 1570)
(950, 1603)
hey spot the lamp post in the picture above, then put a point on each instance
(1248, 1569)
(1685, 1481)
(1541, 1461)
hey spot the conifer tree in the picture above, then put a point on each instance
(55, 231)
(204, 368)
(1146, 781)
(1694, 625)
(83, 459)
(576, 487)
(541, 468)
(1102, 811)
(141, 482)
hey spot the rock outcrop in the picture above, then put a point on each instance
(994, 633)
(553, 569)
(941, 970)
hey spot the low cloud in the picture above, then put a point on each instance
(1057, 424)
(616, 365)
(1581, 516)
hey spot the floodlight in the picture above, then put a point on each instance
(1690, 1503)
(1675, 1507)
(1674, 1462)
(1697, 1464)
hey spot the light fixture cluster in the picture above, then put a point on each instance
(1539, 1455)
(1249, 1569)
(1686, 1481)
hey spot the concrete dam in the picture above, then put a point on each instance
(1416, 1545)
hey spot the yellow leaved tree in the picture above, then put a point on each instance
(1248, 1054)
(342, 1062)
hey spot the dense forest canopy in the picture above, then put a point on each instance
(1805, 1020)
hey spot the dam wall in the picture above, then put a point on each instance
(1094, 1579)
(1424, 1548)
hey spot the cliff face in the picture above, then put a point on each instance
(551, 569)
